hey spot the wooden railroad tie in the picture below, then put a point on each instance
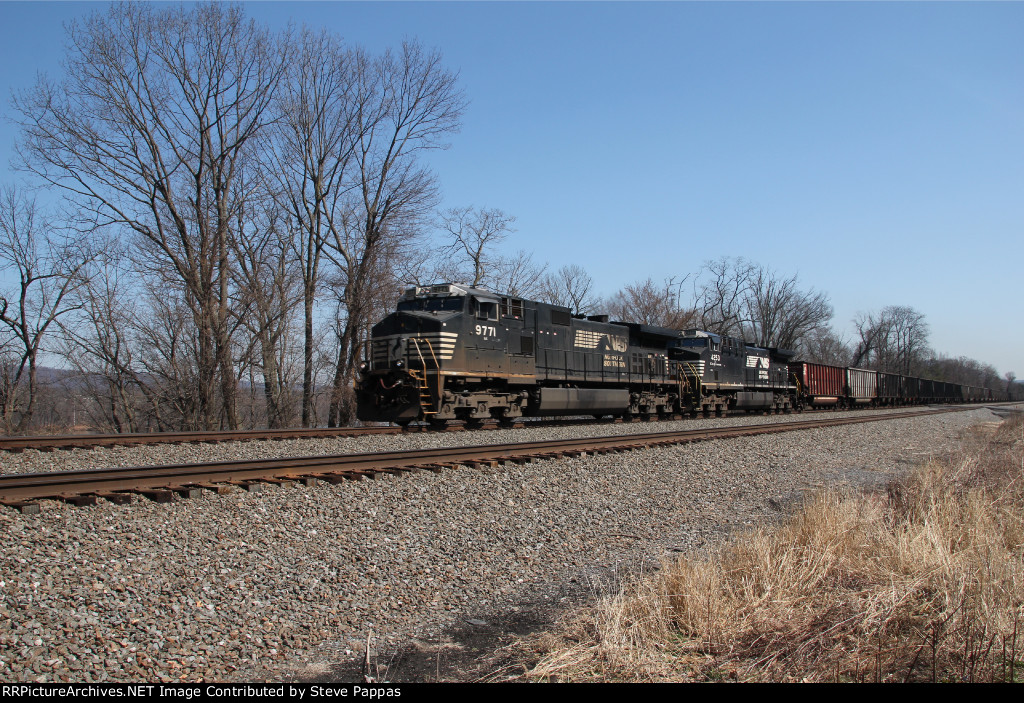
(218, 488)
(481, 463)
(250, 486)
(187, 491)
(25, 507)
(332, 478)
(78, 500)
(117, 497)
(157, 495)
(432, 468)
(280, 482)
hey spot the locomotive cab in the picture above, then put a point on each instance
(442, 342)
(407, 351)
(726, 372)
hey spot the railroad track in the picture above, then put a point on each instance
(169, 482)
(91, 441)
(48, 443)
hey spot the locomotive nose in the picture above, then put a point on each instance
(395, 339)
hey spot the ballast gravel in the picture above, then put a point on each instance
(277, 584)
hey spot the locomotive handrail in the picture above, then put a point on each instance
(433, 356)
(796, 379)
(437, 367)
(696, 377)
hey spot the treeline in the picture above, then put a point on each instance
(743, 299)
(229, 209)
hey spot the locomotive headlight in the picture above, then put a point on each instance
(399, 364)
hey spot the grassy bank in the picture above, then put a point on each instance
(923, 582)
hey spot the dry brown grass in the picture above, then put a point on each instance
(924, 582)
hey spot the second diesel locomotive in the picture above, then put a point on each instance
(453, 352)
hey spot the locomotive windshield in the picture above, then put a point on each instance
(449, 304)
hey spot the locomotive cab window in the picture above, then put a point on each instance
(431, 304)
(510, 307)
(486, 310)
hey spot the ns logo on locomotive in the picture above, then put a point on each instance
(453, 352)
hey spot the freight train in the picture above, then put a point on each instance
(454, 352)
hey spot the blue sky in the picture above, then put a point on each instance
(876, 149)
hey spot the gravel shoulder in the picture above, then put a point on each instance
(290, 583)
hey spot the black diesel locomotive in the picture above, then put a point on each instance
(453, 352)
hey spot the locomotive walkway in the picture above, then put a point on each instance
(168, 482)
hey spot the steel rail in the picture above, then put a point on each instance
(47, 443)
(89, 441)
(18, 488)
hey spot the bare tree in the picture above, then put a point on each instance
(98, 342)
(779, 313)
(961, 370)
(473, 234)
(909, 337)
(518, 275)
(824, 346)
(651, 304)
(268, 290)
(894, 339)
(416, 105)
(721, 296)
(49, 268)
(870, 331)
(327, 98)
(157, 109)
(742, 299)
(572, 287)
